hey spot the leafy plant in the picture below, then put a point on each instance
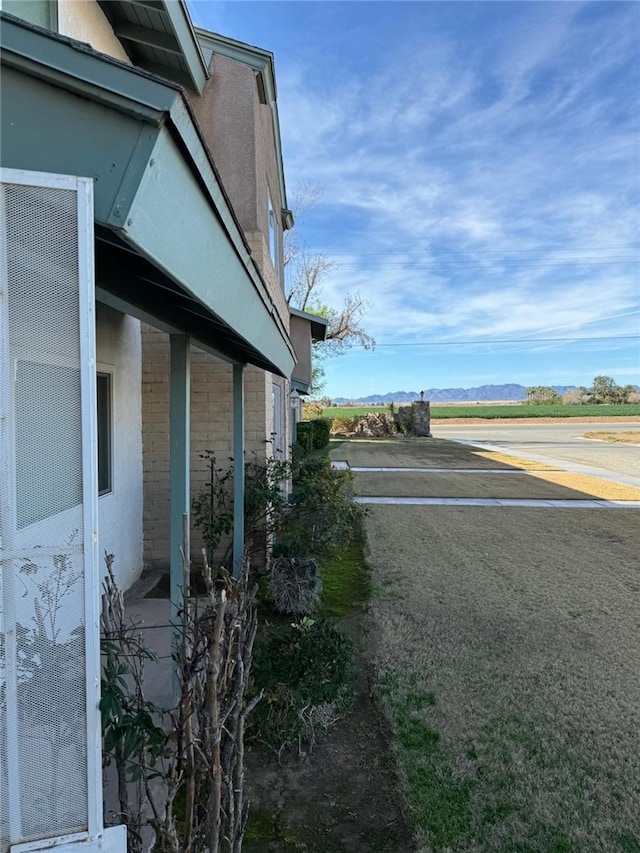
(313, 434)
(303, 668)
(265, 501)
(212, 510)
(324, 513)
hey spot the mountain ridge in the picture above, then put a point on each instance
(509, 392)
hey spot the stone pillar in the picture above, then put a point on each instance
(422, 425)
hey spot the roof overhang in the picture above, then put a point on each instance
(168, 241)
(305, 329)
(317, 324)
(159, 37)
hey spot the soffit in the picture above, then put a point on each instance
(158, 36)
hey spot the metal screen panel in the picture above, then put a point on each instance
(45, 749)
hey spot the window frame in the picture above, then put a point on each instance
(273, 235)
(104, 429)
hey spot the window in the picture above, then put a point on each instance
(105, 436)
(274, 238)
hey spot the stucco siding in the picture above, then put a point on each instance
(85, 21)
(118, 353)
(224, 112)
(238, 130)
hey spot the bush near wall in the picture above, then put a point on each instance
(313, 435)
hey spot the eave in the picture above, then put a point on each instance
(161, 213)
(159, 37)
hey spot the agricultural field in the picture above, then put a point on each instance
(502, 410)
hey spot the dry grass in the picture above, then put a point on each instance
(591, 486)
(508, 661)
(514, 461)
(631, 437)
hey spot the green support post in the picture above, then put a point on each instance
(179, 446)
(238, 469)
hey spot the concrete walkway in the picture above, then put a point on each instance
(465, 473)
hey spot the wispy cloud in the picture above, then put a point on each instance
(479, 161)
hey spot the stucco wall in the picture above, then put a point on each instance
(84, 20)
(224, 112)
(238, 130)
(211, 429)
(118, 351)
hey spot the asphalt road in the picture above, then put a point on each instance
(562, 443)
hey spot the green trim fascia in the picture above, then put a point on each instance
(189, 245)
(188, 41)
(48, 129)
(300, 386)
(105, 297)
(190, 138)
(74, 66)
(135, 151)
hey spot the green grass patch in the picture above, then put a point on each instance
(511, 412)
(439, 802)
(346, 580)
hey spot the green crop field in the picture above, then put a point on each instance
(491, 412)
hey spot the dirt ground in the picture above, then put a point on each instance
(343, 797)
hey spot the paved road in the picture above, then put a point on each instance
(562, 443)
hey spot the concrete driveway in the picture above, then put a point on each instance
(561, 442)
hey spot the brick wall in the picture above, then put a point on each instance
(211, 429)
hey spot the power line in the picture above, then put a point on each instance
(501, 252)
(470, 263)
(505, 341)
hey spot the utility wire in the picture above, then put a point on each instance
(505, 341)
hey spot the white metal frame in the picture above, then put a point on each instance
(96, 838)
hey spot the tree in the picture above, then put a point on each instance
(304, 272)
(541, 394)
(606, 390)
(575, 396)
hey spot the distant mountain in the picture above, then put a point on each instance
(500, 393)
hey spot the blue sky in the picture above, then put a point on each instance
(480, 168)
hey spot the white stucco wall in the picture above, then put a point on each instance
(118, 351)
(85, 21)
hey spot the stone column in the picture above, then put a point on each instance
(422, 426)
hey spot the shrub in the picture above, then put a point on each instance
(304, 670)
(343, 426)
(324, 514)
(405, 419)
(295, 584)
(313, 435)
